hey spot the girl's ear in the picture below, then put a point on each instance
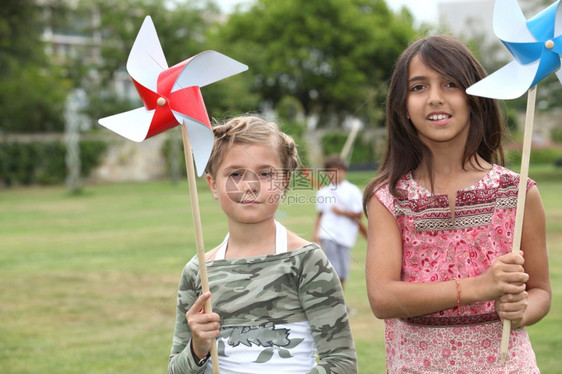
(212, 185)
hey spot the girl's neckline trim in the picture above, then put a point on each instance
(485, 177)
(280, 242)
(268, 257)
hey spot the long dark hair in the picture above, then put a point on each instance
(404, 150)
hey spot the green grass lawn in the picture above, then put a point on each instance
(88, 282)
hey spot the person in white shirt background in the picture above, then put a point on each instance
(339, 206)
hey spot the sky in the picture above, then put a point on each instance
(423, 11)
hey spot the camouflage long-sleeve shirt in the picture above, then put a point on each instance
(257, 298)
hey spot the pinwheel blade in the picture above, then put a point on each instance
(207, 67)
(509, 22)
(509, 82)
(121, 123)
(545, 24)
(558, 21)
(201, 138)
(146, 59)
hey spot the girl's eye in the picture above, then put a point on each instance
(451, 85)
(417, 87)
(235, 175)
(266, 174)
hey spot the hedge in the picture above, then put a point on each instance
(538, 156)
(44, 162)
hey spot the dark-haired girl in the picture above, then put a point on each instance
(441, 217)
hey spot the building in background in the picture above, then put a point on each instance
(72, 36)
(78, 39)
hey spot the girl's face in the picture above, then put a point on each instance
(249, 183)
(437, 107)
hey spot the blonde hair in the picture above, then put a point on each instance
(252, 130)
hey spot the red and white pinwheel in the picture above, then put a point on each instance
(171, 96)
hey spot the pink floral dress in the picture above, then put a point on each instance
(437, 248)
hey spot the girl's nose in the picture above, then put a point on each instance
(435, 97)
(250, 182)
(250, 186)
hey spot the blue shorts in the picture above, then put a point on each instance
(338, 255)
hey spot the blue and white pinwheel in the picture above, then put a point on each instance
(536, 46)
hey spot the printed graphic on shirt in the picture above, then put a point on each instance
(269, 337)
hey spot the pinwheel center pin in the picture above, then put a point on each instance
(549, 44)
(161, 101)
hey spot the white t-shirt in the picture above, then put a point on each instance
(346, 196)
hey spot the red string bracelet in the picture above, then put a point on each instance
(458, 295)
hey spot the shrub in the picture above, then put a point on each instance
(40, 162)
(556, 135)
(538, 156)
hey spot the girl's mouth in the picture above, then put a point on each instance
(438, 117)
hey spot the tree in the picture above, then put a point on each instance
(332, 55)
(33, 91)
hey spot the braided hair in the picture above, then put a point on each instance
(252, 130)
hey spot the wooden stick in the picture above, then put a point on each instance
(349, 141)
(521, 195)
(198, 233)
(343, 155)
